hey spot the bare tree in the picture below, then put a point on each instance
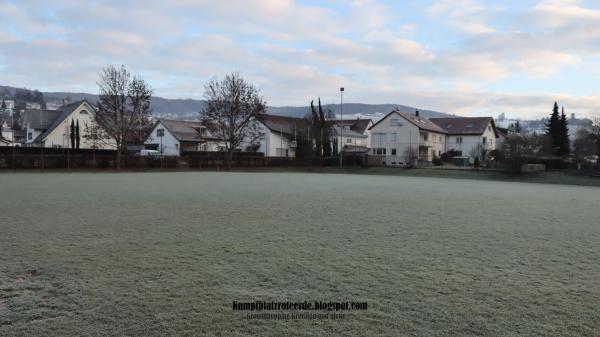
(253, 137)
(123, 105)
(411, 155)
(230, 105)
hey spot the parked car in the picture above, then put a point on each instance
(148, 153)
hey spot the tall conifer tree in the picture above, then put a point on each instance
(72, 134)
(77, 135)
(564, 146)
(553, 128)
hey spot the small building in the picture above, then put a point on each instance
(352, 135)
(278, 134)
(34, 122)
(172, 137)
(6, 135)
(52, 128)
(403, 138)
(467, 134)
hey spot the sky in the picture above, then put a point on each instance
(467, 57)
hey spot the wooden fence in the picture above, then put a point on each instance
(32, 158)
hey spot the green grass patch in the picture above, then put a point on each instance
(165, 254)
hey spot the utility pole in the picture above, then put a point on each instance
(42, 139)
(341, 147)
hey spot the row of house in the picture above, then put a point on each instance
(277, 136)
(396, 138)
(391, 138)
(401, 137)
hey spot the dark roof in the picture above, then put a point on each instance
(464, 125)
(357, 125)
(282, 124)
(420, 122)
(65, 112)
(502, 132)
(40, 119)
(184, 131)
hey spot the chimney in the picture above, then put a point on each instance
(417, 113)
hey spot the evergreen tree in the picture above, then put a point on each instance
(518, 127)
(553, 127)
(564, 146)
(77, 135)
(326, 141)
(72, 134)
(316, 123)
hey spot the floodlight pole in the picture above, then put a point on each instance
(341, 147)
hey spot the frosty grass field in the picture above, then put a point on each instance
(165, 254)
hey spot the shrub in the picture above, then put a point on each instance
(437, 161)
(447, 156)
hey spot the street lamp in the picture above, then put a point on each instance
(341, 146)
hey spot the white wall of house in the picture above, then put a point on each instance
(368, 134)
(344, 140)
(274, 144)
(467, 143)
(392, 137)
(431, 144)
(60, 136)
(7, 133)
(168, 145)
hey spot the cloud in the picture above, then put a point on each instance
(465, 15)
(297, 50)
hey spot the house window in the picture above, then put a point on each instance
(378, 137)
(395, 122)
(484, 140)
(83, 112)
(160, 132)
(440, 139)
(29, 135)
(379, 151)
(348, 140)
(393, 152)
(425, 136)
(458, 140)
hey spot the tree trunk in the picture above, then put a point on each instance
(118, 158)
(229, 159)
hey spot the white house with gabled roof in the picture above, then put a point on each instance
(403, 138)
(52, 128)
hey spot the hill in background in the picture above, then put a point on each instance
(189, 108)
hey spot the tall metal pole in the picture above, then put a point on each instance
(42, 139)
(341, 144)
